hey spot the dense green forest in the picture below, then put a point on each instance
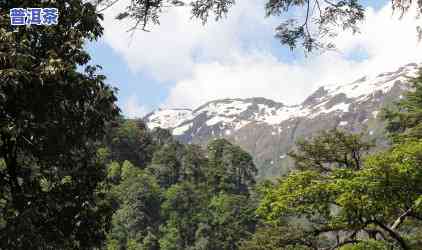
(342, 195)
(74, 174)
(175, 196)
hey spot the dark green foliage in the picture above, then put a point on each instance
(368, 245)
(330, 150)
(194, 164)
(230, 168)
(182, 211)
(349, 206)
(405, 119)
(344, 198)
(273, 237)
(52, 118)
(161, 136)
(166, 164)
(231, 219)
(128, 140)
(186, 198)
(138, 216)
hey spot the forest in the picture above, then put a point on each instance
(76, 174)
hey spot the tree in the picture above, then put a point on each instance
(182, 209)
(231, 219)
(273, 237)
(166, 164)
(194, 164)
(171, 204)
(351, 206)
(321, 20)
(330, 150)
(404, 120)
(129, 140)
(137, 219)
(374, 202)
(230, 168)
(52, 119)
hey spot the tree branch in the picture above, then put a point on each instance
(401, 218)
(394, 234)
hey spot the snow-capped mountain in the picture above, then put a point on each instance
(268, 129)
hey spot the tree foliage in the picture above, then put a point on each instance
(405, 119)
(330, 150)
(52, 120)
(186, 197)
(342, 197)
(320, 20)
(230, 168)
(128, 140)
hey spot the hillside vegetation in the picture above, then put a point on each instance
(74, 174)
(340, 195)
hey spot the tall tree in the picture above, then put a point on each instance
(166, 164)
(194, 163)
(137, 220)
(330, 150)
(231, 219)
(129, 140)
(231, 169)
(182, 209)
(404, 120)
(377, 205)
(52, 117)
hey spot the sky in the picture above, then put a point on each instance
(183, 64)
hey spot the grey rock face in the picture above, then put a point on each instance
(268, 129)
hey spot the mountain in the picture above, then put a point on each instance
(269, 129)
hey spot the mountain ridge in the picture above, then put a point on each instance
(268, 129)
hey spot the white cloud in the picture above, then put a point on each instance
(235, 59)
(259, 75)
(387, 41)
(173, 48)
(133, 109)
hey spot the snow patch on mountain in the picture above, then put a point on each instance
(219, 119)
(168, 118)
(343, 107)
(182, 129)
(343, 123)
(371, 84)
(235, 114)
(225, 107)
(276, 116)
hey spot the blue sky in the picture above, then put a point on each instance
(183, 64)
(127, 81)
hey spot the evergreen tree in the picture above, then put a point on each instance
(231, 219)
(166, 164)
(230, 168)
(182, 210)
(137, 220)
(404, 120)
(194, 164)
(172, 205)
(52, 117)
(128, 140)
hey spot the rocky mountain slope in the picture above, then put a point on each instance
(269, 129)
